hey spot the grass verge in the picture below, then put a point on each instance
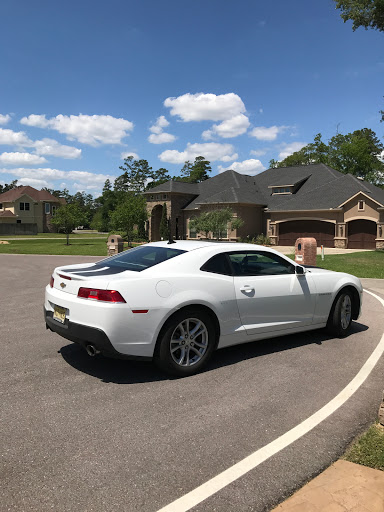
(77, 246)
(360, 264)
(368, 450)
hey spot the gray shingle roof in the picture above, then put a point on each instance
(175, 186)
(317, 187)
(229, 187)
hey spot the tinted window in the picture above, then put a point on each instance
(143, 257)
(217, 265)
(260, 264)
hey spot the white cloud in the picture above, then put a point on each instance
(233, 127)
(210, 150)
(249, 167)
(93, 130)
(54, 148)
(33, 182)
(21, 159)
(288, 149)
(258, 152)
(161, 122)
(4, 119)
(48, 174)
(161, 138)
(11, 138)
(264, 133)
(205, 107)
(126, 154)
(158, 136)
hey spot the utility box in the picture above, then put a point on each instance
(305, 251)
(115, 244)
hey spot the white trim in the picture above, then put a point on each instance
(308, 210)
(364, 194)
(362, 218)
(305, 218)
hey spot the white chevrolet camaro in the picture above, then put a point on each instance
(177, 302)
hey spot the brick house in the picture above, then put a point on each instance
(339, 210)
(26, 205)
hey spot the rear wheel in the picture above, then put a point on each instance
(186, 343)
(340, 317)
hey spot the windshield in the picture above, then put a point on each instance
(141, 258)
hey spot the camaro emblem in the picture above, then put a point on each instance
(63, 285)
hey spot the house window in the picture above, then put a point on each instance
(281, 190)
(53, 209)
(1, 206)
(47, 208)
(361, 206)
(164, 196)
(18, 221)
(152, 197)
(24, 206)
(192, 232)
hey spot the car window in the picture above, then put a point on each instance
(259, 264)
(141, 258)
(218, 265)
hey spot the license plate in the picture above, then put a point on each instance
(59, 314)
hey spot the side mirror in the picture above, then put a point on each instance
(300, 271)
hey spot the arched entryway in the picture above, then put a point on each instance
(362, 234)
(290, 231)
(156, 215)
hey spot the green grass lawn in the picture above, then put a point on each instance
(77, 246)
(368, 450)
(87, 234)
(360, 264)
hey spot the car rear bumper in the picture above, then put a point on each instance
(84, 335)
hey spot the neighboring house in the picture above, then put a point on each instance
(337, 209)
(26, 205)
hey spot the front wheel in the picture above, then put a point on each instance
(186, 343)
(340, 317)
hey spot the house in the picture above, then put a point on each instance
(339, 210)
(31, 208)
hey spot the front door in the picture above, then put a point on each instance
(270, 296)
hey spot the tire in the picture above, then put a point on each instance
(340, 317)
(179, 354)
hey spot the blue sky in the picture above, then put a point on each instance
(84, 83)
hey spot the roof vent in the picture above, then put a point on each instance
(360, 178)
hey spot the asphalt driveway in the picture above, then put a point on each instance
(88, 434)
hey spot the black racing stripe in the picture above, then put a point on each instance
(94, 271)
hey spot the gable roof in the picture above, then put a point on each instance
(229, 187)
(37, 195)
(331, 195)
(316, 187)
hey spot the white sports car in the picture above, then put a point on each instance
(177, 302)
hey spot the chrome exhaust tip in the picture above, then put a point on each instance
(92, 350)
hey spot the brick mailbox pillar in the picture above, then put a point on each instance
(115, 244)
(305, 251)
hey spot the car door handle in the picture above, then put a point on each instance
(247, 288)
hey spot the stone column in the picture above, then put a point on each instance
(380, 235)
(341, 240)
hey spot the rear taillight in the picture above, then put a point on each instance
(51, 282)
(103, 295)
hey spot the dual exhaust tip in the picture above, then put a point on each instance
(92, 350)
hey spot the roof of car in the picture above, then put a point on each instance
(191, 245)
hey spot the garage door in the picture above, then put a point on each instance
(361, 234)
(290, 231)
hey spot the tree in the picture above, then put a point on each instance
(135, 176)
(130, 212)
(67, 217)
(363, 13)
(158, 177)
(216, 222)
(8, 186)
(164, 228)
(196, 172)
(355, 153)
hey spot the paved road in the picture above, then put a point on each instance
(82, 434)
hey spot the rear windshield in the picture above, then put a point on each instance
(143, 257)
